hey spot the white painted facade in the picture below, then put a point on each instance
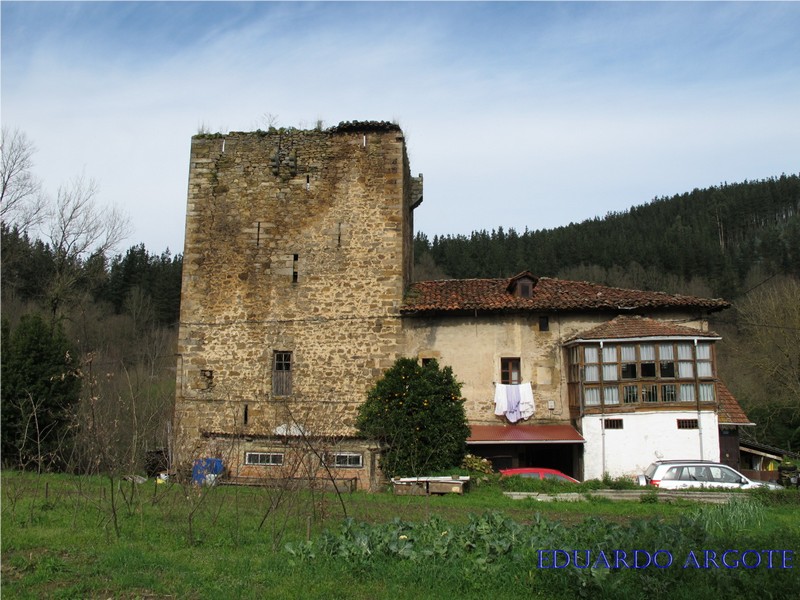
(644, 438)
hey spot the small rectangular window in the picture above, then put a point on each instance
(591, 396)
(649, 393)
(347, 460)
(628, 371)
(668, 393)
(270, 459)
(687, 424)
(612, 424)
(544, 323)
(510, 371)
(630, 394)
(282, 373)
(611, 395)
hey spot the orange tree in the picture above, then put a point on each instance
(417, 413)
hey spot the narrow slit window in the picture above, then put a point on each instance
(295, 272)
(282, 373)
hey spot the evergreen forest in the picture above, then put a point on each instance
(89, 337)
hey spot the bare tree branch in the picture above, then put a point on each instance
(21, 200)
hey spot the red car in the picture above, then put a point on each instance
(538, 473)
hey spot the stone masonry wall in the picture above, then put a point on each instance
(296, 241)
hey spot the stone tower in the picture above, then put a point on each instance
(298, 251)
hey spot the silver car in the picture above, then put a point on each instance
(681, 474)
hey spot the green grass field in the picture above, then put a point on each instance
(79, 537)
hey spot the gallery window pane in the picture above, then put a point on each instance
(611, 395)
(609, 354)
(686, 370)
(706, 392)
(591, 396)
(591, 354)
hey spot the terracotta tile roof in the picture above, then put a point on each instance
(524, 434)
(730, 413)
(638, 327)
(496, 295)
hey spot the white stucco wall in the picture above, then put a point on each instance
(646, 437)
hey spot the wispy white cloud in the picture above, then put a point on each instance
(518, 114)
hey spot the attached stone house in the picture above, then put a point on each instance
(297, 295)
(619, 378)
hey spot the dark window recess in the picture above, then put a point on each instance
(525, 289)
(208, 377)
(628, 371)
(282, 373)
(295, 272)
(612, 423)
(509, 371)
(648, 369)
(667, 369)
(688, 424)
(544, 323)
(245, 414)
(427, 361)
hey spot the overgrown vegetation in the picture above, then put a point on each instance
(417, 413)
(59, 541)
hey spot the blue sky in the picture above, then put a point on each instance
(518, 114)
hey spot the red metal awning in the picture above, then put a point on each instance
(524, 434)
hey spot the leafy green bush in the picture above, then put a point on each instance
(417, 413)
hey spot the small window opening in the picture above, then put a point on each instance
(208, 377)
(688, 424)
(510, 371)
(544, 323)
(245, 415)
(308, 182)
(282, 373)
(612, 424)
(295, 272)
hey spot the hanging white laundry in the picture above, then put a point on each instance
(526, 404)
(500, 402)
(513, 400)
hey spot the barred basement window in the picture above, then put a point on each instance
(269, 459)
(350, 460)
(612, 424)
(688, 424)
